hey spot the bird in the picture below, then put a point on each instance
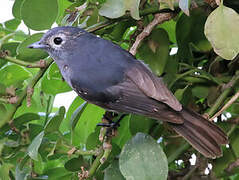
(104, 74)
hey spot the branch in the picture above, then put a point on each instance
(232, 100)
(223, 96)
(159, 18)
(232, 165)
(39, 64)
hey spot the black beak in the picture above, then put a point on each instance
(38, 45)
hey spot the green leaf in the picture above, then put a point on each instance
(13, 74)
(155, 51)
(27, 117)
(123, 132)
(140, 124)
(189, 30)
(112, 172)
(54, 123)
(221, 29)
(179, 93)
(142, 158)
(11, 47)
(86, 124)
(16, 8)
(62, 5)
(77, 114)
(58, 173)
(30, 55)
(52, 82)
(93, 139)
(3, 111)
(185, 5)
(39, 14)
(12, 24)
(75, 164)
(4, 171)
(32, 149)
(2, 89)
(200, 91)
(170, 27)
(38, 165)
(114, 9)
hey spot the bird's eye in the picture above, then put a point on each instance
(57, 40)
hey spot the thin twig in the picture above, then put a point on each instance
(232, 100)
(222, 97)
(232, 165)
(159, 18)
(39, 64)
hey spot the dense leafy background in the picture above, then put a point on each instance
(38, 141)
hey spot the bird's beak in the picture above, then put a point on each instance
(38, 45)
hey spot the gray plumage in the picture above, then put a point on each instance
(108, 76)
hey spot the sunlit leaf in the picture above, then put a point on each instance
(221, 29)
(114, 9)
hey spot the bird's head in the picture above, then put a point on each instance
(58, 40)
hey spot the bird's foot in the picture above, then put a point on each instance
(109, 124)
(108, 120)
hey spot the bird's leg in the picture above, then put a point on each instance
(108, 116)
(109, 124)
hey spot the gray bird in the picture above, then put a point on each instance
(104, 74)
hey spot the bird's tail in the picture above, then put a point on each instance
(202, 134)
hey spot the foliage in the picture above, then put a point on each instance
(38, 141)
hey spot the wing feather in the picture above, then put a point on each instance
(152, 86)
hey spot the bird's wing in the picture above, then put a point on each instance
(132, 100)
(152, 86)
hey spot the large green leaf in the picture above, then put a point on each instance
(221, 29)
(142, 158)
(32, 149)
(13, 74)
(86, 125)
(39, 14)
(30, 55)
(115, 9)
(155, 51)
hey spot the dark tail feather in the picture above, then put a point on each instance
(203, 135)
